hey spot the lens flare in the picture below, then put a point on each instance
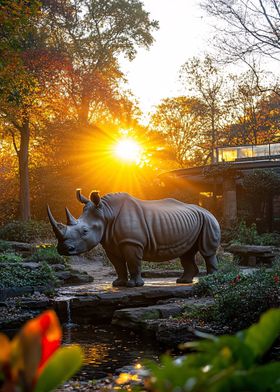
(128, 150)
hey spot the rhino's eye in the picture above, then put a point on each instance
(84, 231)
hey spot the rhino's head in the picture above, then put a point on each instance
(84, 233)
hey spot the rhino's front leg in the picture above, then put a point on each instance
(133, 255)
(121, 270)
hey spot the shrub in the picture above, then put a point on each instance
(272, 239)
(49, 254)
(243, 234)
(16, 275)
(30, 231)
(240, 299)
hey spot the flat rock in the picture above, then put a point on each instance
(243, 249)
(134, 318)
(149, 318)
(21, 247)
(93, 305)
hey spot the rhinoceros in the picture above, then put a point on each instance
(131, 230)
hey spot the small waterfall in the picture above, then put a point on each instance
(68, 310)
(69, 324)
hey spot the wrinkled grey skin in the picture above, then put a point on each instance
(132, 230)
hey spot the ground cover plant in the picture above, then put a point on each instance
(49, 254)
(14, 274)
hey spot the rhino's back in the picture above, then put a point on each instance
(165, 228)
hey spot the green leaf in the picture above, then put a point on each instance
(62, 365)
(263, 378)
(260, 337)
(259, 379)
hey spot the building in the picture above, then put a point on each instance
(219, 187)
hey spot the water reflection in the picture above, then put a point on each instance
(108, 348)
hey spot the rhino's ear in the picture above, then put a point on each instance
(95, 198)
(80, 197)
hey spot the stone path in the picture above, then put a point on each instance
(97, 301)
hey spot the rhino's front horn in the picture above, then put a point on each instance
(59, 229)
(81, 198)
(70, 218)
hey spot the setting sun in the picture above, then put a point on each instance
(128, 150)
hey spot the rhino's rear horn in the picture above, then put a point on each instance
(58, 228)
(80, 197)
(70, 218)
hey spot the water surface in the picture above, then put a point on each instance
(109, 348)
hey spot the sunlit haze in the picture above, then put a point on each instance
(183, 33)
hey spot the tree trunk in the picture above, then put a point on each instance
(23, 155)
(84, 106)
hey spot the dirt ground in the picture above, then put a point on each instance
(95, 267)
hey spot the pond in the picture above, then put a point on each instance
(108, 348)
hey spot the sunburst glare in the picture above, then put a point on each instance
(128, 149)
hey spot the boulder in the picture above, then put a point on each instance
(136, 318)
(23, 248)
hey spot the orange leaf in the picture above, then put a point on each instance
(34, 344)
(5, 350)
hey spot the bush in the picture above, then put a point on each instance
(240, 299)
(30, 231)
(16, 275)
(248, 235)
(49, 254)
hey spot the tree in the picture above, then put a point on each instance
(247, 27)
(253, 115)
(92, 34)
(60, 60)
(245, 114)
(269, 118)
(182, 122)
(204, 79)
(17, 85)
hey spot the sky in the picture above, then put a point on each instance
(184, 31)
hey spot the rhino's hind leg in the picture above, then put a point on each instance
(189, 265)
(211, 264)
(121, 270)
(133, 255)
